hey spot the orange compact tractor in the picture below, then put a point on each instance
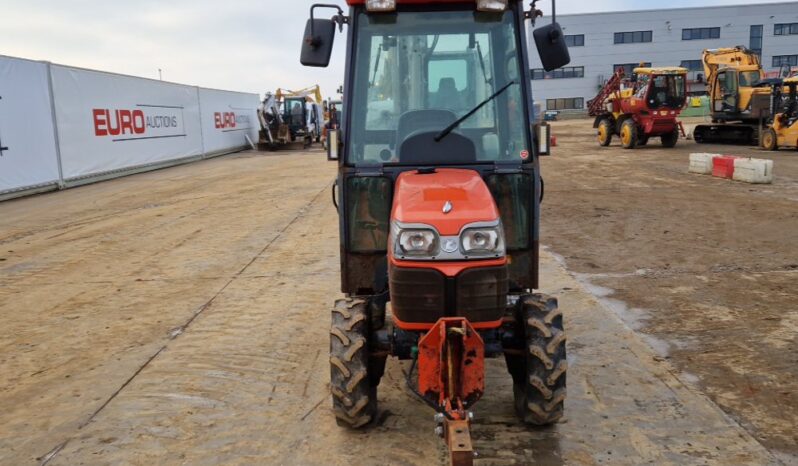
(438, 194)
(646, 106)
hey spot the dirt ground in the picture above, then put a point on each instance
(182, 316)
(706, 267)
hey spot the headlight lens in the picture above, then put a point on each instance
(417, 242)
(487, 241)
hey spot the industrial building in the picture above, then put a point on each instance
(601, 42)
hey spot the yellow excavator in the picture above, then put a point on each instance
(740, 100)
(783, 131)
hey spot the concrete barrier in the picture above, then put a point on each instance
(744, 169)
(701, 163)
(755, 171)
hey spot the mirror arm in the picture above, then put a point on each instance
(533, 14)
(340, 19)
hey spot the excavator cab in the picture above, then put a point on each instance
(438, 194)
(729, 92)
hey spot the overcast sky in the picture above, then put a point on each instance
(243, 45)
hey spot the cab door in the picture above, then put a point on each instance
(729, 92)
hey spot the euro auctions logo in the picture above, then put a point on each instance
(231, 121)
(224, 120)
(143, 122)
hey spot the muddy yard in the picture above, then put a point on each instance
(182, 317)
(704, 268)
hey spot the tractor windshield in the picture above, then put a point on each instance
(415, 73)
(666, 91)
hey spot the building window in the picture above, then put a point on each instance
(755, 43)
(629, 68)
(565, 72)
(785, 29)
(569, 103)
(577, 40)
(632, 37)
(693, 65)
(781, 60)
(700, 33)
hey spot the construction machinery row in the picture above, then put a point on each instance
(744, 104)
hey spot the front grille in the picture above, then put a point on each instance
(426, 295)
(482, 293)
(417, 295)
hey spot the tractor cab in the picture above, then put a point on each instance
(661, 88)
(438, 194)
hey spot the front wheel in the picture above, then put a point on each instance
(629, 137)
(540, 395)
(353, 393)
(605, 132)
(770, 140)
(669, 140)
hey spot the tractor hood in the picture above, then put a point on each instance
(446, 199)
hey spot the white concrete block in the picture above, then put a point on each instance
(701, 163)
(758, 171)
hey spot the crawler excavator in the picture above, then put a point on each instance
(739, 99)
(438, 195)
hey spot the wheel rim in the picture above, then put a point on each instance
(626, 135)
(768, 140)
(602, 134)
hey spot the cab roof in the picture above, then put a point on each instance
(663, 70)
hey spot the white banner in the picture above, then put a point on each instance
(109, 122)
(27, 138)
(226, 118)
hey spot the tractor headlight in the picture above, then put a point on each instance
(487, 241)
(491, 5)
(381, 5)
(415, 241)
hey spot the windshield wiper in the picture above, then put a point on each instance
(463, 118)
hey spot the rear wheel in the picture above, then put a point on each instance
(540, 395)
(629, 135)
(353, 393)
(669, 140)
(770, 140)
(605, 132)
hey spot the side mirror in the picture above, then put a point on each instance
(552, 49)
(333, 144)
(317, 43)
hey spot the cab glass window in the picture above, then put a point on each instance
(418, 72)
